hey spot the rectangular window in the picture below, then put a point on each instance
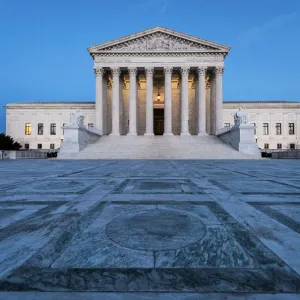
(265, 128)
(254, 124)
(28, 129)
(292, 146)
(52, 146)
(52, 129)
(278, 128)
(91, 125)
(227, 124)
(291, 128)
(40, 128)
(279, 146)
(266, 146)
(26, 146)
(39, 146)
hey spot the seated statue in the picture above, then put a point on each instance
(241, 117)
(77, 118)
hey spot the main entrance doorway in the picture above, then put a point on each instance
(158, 124)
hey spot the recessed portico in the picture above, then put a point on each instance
(186, 72)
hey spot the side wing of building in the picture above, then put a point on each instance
(40, 124)
(278, 122)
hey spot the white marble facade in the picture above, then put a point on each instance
(130, 73)
(178, 66)
(268, 112)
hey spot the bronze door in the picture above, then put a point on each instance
(158, 124)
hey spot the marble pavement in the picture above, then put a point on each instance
(164, 229)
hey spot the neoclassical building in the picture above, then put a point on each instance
(169, 74)
(155, 82)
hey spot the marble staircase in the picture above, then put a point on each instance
(158, 147)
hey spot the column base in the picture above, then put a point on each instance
(185, 134)
(131, 134)
(114, 134)
(149, 134)
(202, 133)
(168, 134)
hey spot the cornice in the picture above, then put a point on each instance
(155, 30)
(91, 105)
(51, 105)
(160, 53)
(261, 105)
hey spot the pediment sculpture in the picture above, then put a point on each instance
(157, 42)
(77, 118)
(241, 117)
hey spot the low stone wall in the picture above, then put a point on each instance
(7, 154)
(291, 154)
(16, 154)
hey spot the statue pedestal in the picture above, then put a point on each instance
(77, 138)
(241, 136)
(243, 139)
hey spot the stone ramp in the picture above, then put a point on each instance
(158, 147)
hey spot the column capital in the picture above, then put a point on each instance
(201, 71)
(116, 71)
(185, 71)
(168, 70)
(219, 70)
(132, 71)
(149, 71)
(99, 72)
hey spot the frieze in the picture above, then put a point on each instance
(125, 57)
(207, 57)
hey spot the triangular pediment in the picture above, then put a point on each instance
(159, 39)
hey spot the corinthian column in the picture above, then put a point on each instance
(149, 101)
(168, 101)
(99, 116)
(201, 100)
(219, 97)
(116, 102)
(185, 101)
(132, 101)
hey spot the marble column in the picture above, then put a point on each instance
(99, 115)
(219, 97)
(208, 105)
(201, 101)
(149, 100)
(213, 104)
(132, 101)
(185, 101)
(168, 101)
(116, 101)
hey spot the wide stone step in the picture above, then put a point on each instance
(158, 147)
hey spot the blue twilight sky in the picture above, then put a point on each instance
(43, 53)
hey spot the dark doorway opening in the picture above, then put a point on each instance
(158, 124)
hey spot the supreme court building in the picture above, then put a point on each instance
(155, 82)
(174, 80)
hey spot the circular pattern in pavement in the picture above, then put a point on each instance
(156, 230)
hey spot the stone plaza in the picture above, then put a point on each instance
(158, 229)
